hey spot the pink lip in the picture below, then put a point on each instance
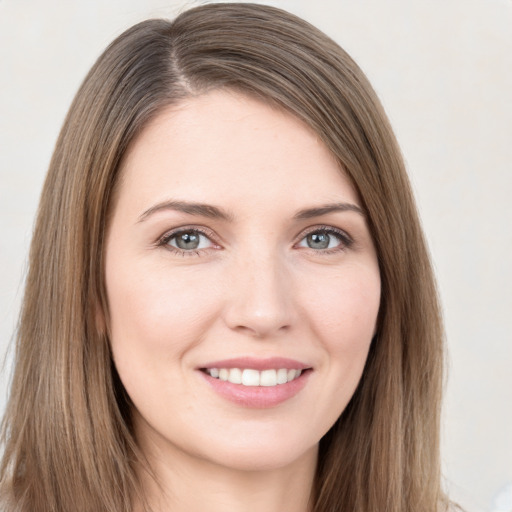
(258, 364)
(259, 397)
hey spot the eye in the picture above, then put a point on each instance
(325, 239)
(187, 240)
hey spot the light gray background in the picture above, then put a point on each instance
(443, 70)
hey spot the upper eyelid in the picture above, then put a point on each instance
(183, 229)
(327, 228)
(203, 230)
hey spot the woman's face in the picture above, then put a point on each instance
(237, 250)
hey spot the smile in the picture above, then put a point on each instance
(256, 382)
(252, 377)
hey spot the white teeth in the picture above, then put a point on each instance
(282, 376)
(250, 377)
(235, 376)
(268, 378)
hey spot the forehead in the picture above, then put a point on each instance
(223, 146)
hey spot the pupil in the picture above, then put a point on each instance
(188, 241)
(318, 240)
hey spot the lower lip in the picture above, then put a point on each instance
(259, 397)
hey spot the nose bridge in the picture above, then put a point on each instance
(260, 300)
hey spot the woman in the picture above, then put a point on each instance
(229, 303)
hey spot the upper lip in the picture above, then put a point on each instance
(258, 363)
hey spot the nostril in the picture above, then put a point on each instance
(261, 329)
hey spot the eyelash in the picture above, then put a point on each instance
(165, 239)
(345, 241)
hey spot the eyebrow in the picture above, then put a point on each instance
(204, 210)
(214, 212)
(318, 211)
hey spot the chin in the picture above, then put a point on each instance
(264, 457)
(253, 451)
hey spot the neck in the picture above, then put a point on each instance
(182, 483)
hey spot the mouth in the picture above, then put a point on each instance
(257, 383)
(251, 377)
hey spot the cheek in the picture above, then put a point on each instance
(157, 316)
(345, 307)
(344, 316)
(345, 313)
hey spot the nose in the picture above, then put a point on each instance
(260, 300)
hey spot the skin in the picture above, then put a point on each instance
(253, 287)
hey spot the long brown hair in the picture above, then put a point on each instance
(68, 442)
